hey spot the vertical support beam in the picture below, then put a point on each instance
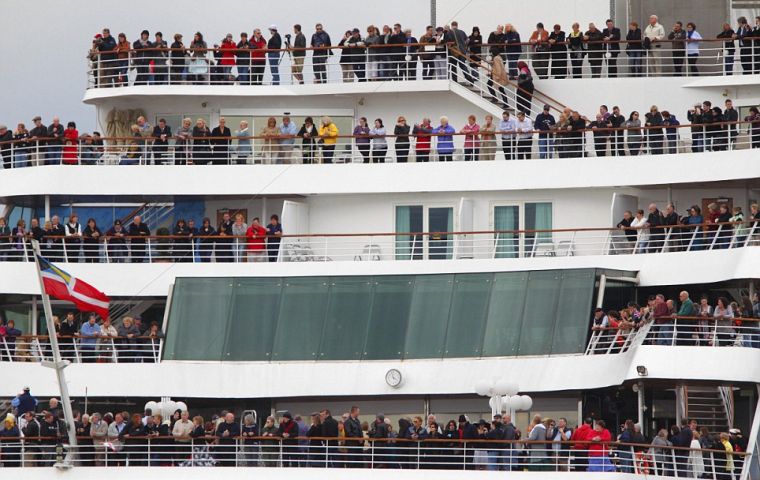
(580, 410)
(35, 316)
(670, 194)
(426, 406)
(433, 13)
(640, 406)
(264, 215)
(600, 293)
(47, 209)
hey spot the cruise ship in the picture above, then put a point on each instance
(290, 227)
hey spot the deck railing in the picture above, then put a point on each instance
(701, 331)
(371, 247)
(415, 61)
(80, 349)
(424, 144)
(381, 453)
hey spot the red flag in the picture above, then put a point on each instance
(62, 286)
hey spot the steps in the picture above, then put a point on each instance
(707, 406)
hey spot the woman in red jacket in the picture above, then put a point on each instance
(71, 140)
(258, 62)
(422, 133)
(598, 450)
(256, 235)
(227, 61)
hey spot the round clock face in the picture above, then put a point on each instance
(393, 378)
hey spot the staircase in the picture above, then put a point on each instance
(152, 214)
(121, 309)
(5, 407)
(711, 407)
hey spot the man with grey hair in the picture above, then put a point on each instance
(655, 33)
(55, 144)
(138, 232)
(99, 434)
(686, 328)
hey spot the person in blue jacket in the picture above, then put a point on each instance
(671, 132)
(445, 142)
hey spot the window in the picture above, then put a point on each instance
(506, 218)
(538, 216)
(409, 220)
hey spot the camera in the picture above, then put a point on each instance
(287, 35)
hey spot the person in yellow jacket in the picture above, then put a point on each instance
(328, 133)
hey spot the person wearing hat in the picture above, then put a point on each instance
(288, 431)
(116, 243)
(227, 59)
(466, 433)
(177, 55)
(273, 53)
(544, 123)
(142, 58)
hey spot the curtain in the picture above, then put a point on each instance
(538, 216)
(505, 218)
(408, 220)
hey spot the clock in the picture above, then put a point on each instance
(393, 378)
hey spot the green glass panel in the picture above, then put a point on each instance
(198, 319)
(540, 312)
(302, 315)
(428, 316)
(575, 300)
(255, 305)
(388, 321)
(505, 310)
(467, 320)
(348, 314)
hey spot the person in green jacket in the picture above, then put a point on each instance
(686, 328)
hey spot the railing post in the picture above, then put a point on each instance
(715, 237)
(150, 253)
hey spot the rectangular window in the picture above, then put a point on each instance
(409, 220)
(440, 244)
(538, 216)
(506, 243)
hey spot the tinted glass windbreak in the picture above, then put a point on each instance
(381, 317)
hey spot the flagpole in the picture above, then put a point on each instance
(58, 363)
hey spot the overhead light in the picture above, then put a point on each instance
(642, 370)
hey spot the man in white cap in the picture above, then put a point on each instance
(273, 54)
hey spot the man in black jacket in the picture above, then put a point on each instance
(612, 38)
(69, 329)
(353, 429)
(298, 55)
(618, 139)
(224, 246)
(672, 219)
(220, 143)
(497, 455)
(396, 53)
(457, 42)
(731, 115)
(143, 57)
(595, 47)
(273, 55)
(227, 431)
(161, 132)
(330, 430)
(656, 231)
(138, 231)
(467, 433)
(51, 431)
(496, 42)
(55, 144)
(31, 444)
(108, 68)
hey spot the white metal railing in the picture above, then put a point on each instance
(434, 143)
(97, 349)
(419, 61)
(395, 453)
(676, 331)
(363, 247)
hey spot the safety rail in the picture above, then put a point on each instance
(693, 331)
(433, 143)
(80, 349)
(423, 453)
(399, 246)
(358, 61)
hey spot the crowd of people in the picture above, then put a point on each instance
(708, 322)
(320, 440)
(720, 227)
(393, 53)
(233, 240)
(612, 133)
